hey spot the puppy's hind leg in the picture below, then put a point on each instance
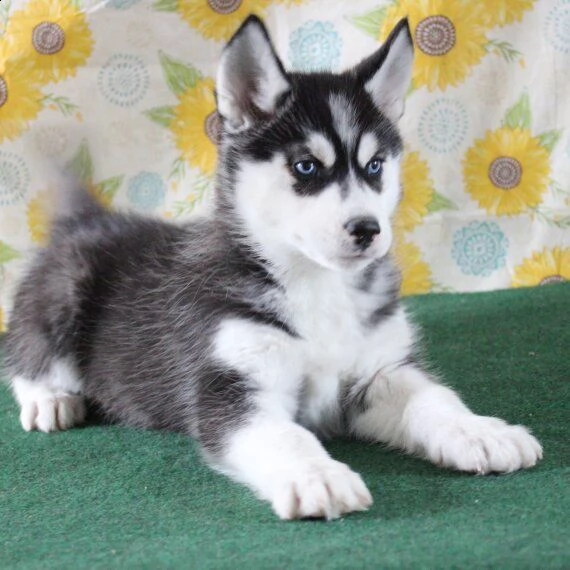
(40, 344)
(52, 401)
(44, 331)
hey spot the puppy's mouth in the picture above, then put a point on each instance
(345, 258)
(355, 261)
(354, 257)
(359, 255)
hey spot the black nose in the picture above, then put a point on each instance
(363, 230)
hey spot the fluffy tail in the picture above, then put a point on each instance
(75, 200)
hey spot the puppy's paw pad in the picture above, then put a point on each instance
(481, 444)
(327, 489)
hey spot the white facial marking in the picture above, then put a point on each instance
(391, 183)
(287, 225)
(322, 149)
(367, 148)
(344, 119)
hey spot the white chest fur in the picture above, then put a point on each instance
(337, 347)
(333, 346)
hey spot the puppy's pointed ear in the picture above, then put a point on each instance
(387, 73)
(251, 80)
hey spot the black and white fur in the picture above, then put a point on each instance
(273, 320)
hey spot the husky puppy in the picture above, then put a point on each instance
(270, 324)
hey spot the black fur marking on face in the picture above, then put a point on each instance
(323, 177)
(308, 111)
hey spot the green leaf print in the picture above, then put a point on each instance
(519, 115)
(371, 22)
(4, 11)
(179, 76)
(62, 103)
(178, 170)
(551, 217)
(440, 202)
(549, 139)
(81, 164)
(199, 190)
(107, 188)
(166, 5)
(7, 253)
(504, 49)
(161, 115)
(559, 191)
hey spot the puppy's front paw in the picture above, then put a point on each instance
(45, 410)
(482, 445)
(322, 489)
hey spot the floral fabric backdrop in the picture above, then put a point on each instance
(121, 92)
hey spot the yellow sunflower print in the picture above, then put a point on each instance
(53, 35)
(219, 19)
(39, 213)
(195, 125)
(543, 267)
(507, 171)
(20, 97)
(416, 274)
(502, 12)
(449, 37)
(418, 192)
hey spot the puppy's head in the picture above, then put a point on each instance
(309, 162)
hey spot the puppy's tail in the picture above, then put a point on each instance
(73, 211)
(74, 200)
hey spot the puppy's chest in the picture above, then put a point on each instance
(326, 314)
(328, 317)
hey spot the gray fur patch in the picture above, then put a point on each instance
(134, 304)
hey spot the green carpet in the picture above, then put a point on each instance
(108, 497)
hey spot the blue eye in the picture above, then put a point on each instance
(374, 167)
(306, 167)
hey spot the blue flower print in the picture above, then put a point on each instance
(315, 45)
(14, 178)
(146, 190)
(479, 248)
(557, 26)
(124, 80)
(122, 4)
(443, 125)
